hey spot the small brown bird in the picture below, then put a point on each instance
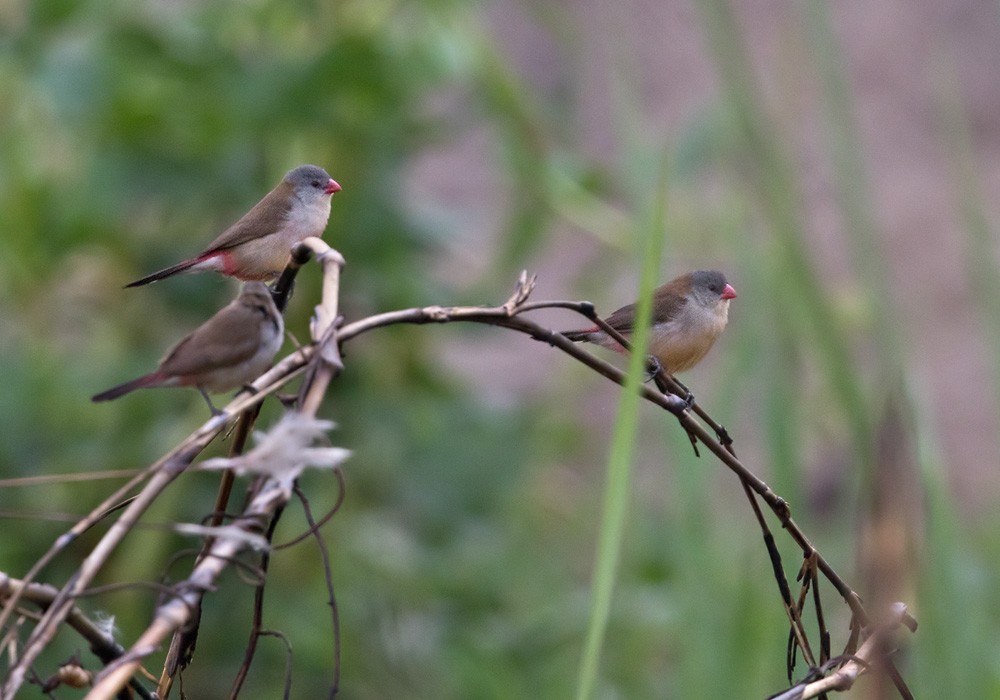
(689, 313)
(257, 247)
(231, 349)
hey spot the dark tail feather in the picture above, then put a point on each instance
(122, 389)
(577, 336)
(166, 272)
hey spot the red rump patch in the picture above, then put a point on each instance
(228, 265)
(223, 260)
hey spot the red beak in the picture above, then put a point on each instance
(332, 187)
(728, 292)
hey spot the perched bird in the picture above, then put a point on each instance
(257, 246)
(689, 313)
(231, 349)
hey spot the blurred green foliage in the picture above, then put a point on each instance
(134, 131)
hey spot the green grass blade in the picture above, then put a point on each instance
(619, 473)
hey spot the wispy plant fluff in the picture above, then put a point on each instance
(286, 450)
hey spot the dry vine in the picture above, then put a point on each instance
(869, 645)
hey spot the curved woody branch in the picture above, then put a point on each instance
(321, 363)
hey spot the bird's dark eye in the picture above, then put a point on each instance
(315, 183)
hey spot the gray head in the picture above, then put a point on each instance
(709, 286)
(311, 179)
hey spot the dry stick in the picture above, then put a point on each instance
(61, 479)
(267, 384)
(797, 632)
(102, 644)
(177, 611)
(184, 640)
(327, 574)
(323, 327)
(666, 383)
(160, 474)
(803, 641)
(314, 526)
(873, 650)
(271, 497)
(324, 366)
(163, 472)
(502, 316)
(810, 554)
(676, 405)
(257, 623)
(824, 633)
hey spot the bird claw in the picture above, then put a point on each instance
(653, 368)
(211, 406)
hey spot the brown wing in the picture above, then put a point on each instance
(230, 337)
(621, 320)
(266, 217)
(666, 304)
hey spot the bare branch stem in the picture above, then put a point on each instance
(321, 360)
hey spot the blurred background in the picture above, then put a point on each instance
(839, 161)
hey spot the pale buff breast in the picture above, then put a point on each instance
(270, 254)
(680, 343)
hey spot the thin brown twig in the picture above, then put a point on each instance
(341, 495)
(668, 384)
(257, 621)
(314, 530)
(101, 641)
(175, 612)
(824, 634)
(871, 653)
(159, 474)
(797, 632)
(437, 314)
(287, 690)
(45, 479)
(183, 642)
